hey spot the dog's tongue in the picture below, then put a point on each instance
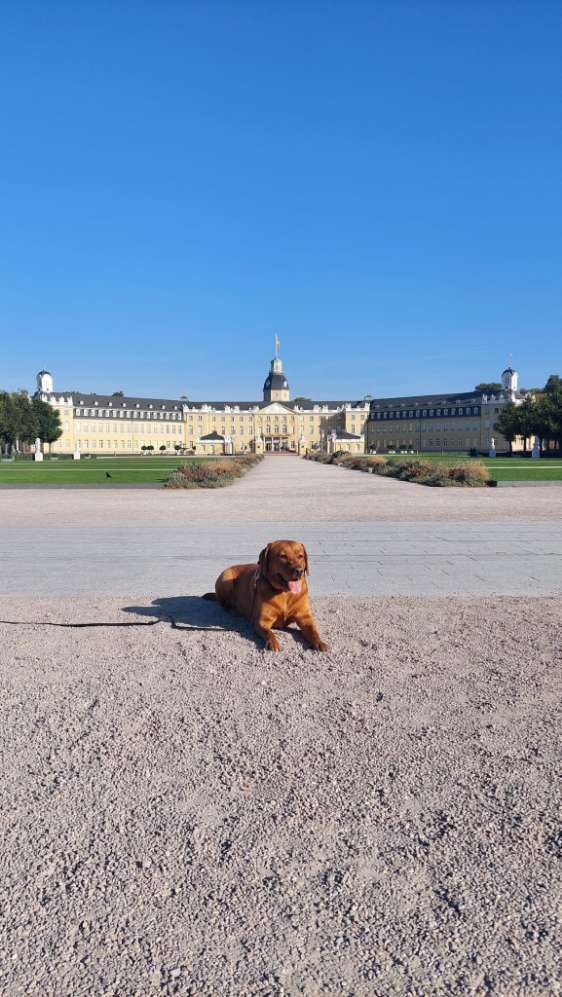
(295, 586)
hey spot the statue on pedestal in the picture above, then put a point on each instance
(77, 450)
(536, 451)
(38, 452)
(492, 450)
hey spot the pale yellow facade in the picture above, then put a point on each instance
(102, 424)
(443, 423)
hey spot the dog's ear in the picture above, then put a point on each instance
(263, 560)
(305, 559)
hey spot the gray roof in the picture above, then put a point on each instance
(342, 435)
(426, 401)
(212, 436)
(92, 400)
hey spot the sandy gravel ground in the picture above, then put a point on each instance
(183, 813)
(281, 488)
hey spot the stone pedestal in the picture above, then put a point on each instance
(38, 455)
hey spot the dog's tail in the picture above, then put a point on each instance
(211, 596)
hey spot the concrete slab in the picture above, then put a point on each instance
(365, 536)
(355, 558)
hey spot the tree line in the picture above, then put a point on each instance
(23, 419)
(538, 415)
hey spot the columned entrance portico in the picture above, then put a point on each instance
(275, 443)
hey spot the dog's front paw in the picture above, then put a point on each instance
(272, 644)
(321, 646)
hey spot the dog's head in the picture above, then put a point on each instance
(284, 563)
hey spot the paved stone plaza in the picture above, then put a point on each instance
(366, 535)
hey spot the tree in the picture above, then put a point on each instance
(49, 426)
(553, 387)
(5, 420)
(162, 448)
(18, 422)
(548, 411)
(526, 415)
(301, 400)
(177, 446)
(118, 394)
(184, 398)
(508, 423)
(488, 388)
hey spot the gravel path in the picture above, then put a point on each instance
(185, 814)
(282, 488)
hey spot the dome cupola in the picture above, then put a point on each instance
(276, 386)
(510, 379)
(44, 381)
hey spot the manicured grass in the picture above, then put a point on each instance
(500, 468)
(544, 470)
(123, 470)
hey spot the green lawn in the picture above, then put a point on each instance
(500, 468)
(123, 470)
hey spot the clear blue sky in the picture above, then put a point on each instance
(377, 182)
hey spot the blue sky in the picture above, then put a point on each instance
(376, 182)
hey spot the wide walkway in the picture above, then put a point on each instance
(365, 536)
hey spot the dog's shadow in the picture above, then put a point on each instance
(192, 612)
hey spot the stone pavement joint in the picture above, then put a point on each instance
(365, 536)
(351, 558)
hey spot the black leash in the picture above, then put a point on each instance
(81, 626)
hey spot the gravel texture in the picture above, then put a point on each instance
(183, 813)
(280, 488)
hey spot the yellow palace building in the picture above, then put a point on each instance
(108, 424)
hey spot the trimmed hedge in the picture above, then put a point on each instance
(472, 474)
(211, 473)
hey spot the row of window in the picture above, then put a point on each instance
(112, 428)
(125, 414)
(458, 443)
(433, 427)
(429, 413)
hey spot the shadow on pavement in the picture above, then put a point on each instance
(192, 612)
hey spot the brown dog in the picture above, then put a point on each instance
(272, 593)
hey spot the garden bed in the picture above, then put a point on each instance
(212, 474)
(467, 474)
